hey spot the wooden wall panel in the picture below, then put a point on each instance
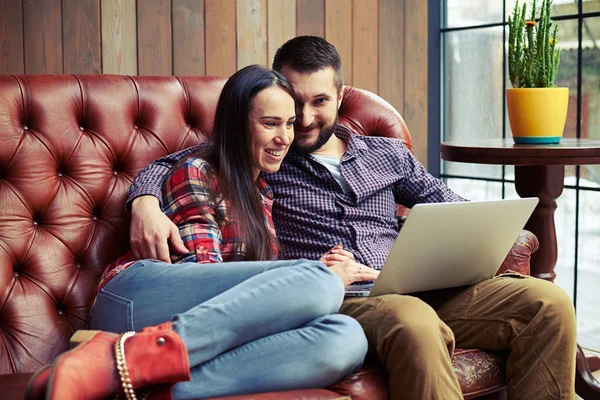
(42, 39)
(415, 74)
(11, 37)
(281, 25)
(251, 20)
(221, 55)
(155, 52)
(81, 36)
(383, 43)
(119, 40)
(365, 44)
(188, 37)
(338, 32)
(391, 45)
(311, 17)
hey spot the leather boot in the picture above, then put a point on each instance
(36, 387)
(97, 369)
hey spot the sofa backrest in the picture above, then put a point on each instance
(70, 146)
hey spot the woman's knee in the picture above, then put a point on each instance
(344, 346)
(324, 290)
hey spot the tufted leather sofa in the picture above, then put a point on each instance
(70, 146)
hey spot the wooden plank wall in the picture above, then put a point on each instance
(383, 43)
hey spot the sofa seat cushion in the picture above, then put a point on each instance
(479, 372)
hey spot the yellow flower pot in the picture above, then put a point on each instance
(537, 115)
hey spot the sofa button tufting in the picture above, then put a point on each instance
(59, 173)
(160, 341)
(81, 128)
(35, 223)
(25, 128)
(16, 273)
(77, 265)
(60, 311)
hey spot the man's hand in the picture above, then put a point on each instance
(336, 255)
(151, 231)
(350, 271)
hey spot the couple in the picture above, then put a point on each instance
(334, 187)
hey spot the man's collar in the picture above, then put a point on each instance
(354, 146)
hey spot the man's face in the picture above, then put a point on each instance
(317, 107)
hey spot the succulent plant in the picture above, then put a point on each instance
(533, 57)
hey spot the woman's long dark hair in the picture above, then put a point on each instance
(230, 154)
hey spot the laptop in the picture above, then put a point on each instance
(444, 245)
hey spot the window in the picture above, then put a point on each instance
(473, 56)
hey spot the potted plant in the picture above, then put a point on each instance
(536, 109)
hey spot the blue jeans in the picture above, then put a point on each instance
(248, 327)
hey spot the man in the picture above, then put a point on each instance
(335, 187)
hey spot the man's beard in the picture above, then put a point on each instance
(325, 133)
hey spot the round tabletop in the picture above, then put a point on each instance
(504, 151)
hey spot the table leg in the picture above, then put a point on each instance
(545, 182)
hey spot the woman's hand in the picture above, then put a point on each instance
(336, 255)
(350, 271)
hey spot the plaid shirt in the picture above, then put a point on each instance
(190, 198)
(313, 214)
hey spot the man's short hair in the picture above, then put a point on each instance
(308, 54)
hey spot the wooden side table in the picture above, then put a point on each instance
(539, 172)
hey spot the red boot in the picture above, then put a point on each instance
(106, 364)
(36, 387)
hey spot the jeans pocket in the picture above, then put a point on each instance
(112, 313)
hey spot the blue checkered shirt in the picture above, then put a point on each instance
(311, 211)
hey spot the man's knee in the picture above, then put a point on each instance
(408, 323)
(551, 303)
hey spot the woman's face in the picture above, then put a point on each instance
(272, 119)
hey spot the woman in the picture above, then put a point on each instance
(233, 328)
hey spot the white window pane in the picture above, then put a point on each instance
(588, 279)
(476, 190)
(473, 12)
(559, 7)
(590, 101)
(591, 5)
(473, 93)
(564, 219)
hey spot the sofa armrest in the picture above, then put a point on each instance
(519, 256)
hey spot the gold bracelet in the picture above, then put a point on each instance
(122, 365)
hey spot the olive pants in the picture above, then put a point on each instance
(414, 336)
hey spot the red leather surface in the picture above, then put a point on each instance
(70, 145)
(519, 256)
(307, 394)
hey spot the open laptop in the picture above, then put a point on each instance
(443, 245)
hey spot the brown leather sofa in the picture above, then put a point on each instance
(70, 146)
